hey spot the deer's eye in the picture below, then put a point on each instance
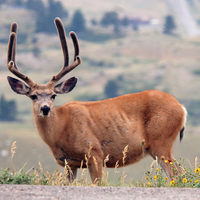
(53, 96)
(33, 97)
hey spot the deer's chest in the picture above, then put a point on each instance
(65, 157)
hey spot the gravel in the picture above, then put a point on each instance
(114, 193)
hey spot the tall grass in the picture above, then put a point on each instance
(154, 177)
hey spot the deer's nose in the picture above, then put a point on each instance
(45, 110)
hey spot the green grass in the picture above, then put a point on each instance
(154, 177)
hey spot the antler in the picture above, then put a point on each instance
(76, 61)
(66, 67)
(11, 64)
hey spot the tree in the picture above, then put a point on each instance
(125, 21)
(37, 6)
(169, 25)
(46, 14)
(8, 109)
(94, 22)
(135, 27)
(2, 2)
(111, 89)
(78, 22)
(55, 9)
(111, 18)
(16, 3)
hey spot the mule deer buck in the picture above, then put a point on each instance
(148, 122)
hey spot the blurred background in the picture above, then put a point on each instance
(126, 46)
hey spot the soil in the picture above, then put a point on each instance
(115, 193)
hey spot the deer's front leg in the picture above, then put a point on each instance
(71, 174)
(95, 165)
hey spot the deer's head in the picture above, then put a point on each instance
(43, 95)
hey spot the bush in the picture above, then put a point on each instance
(78, 22)
(8, 109)
(169, 25)
(111, 89)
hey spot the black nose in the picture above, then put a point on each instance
(45, 110)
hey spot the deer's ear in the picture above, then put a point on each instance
(66, 86)
(18, 86)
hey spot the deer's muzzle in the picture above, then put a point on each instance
(45, 110)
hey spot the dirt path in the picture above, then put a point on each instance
(70, 193)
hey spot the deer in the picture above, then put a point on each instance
(84, 133)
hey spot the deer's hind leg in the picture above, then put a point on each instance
(166, 161)
(164, 158)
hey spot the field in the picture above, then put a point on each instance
(31, 150)
(143, 60)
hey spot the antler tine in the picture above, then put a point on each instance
(11, 56)
(75, 43)
(13, 29)
(77, 60)
(63, 41)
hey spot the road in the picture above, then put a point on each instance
(26, 192)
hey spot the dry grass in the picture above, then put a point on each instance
(31, 149)
(155, 177)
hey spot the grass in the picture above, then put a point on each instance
(154, 177)
(157, 178)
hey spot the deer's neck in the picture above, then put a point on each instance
(46, 127)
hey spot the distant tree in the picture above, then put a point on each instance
(111, 18)
(37, 6)
(8, 109)
(46, 14)
(55, 9)
(125, 21)
(78, 22)
(2, 1)
(135, 27)
(111, 89)
(41, 13)
(191, 2)
(13, 2)
(94, 22)
(169, 25)
(35, 50)
(18, 2)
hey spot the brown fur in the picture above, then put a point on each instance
(108, 126)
